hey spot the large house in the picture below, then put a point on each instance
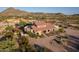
(40, 27)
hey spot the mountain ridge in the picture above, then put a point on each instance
(13, 12)
(16, 12)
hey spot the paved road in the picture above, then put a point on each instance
(73, 32)
(73, 39)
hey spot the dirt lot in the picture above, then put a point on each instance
(47, 42)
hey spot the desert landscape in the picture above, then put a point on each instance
(23, 31)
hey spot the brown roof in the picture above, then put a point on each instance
(40, 23)
(41, 26)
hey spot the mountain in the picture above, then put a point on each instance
(75, 15)
(13, 12)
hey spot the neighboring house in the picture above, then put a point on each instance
(40, 27)
(56, 27)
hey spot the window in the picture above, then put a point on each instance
(48, 30)
(44, 31)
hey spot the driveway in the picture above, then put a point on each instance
(73, 35)
(46, 42)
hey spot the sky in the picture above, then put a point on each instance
(65, 10)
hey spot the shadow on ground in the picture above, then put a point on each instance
(41, 48)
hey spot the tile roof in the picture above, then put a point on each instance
(41, 26)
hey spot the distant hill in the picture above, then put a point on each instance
(37, 15)
(13, 12)
(75, 15)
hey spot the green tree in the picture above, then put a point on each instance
(24, 45)
(8, 42)
(22, 23)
